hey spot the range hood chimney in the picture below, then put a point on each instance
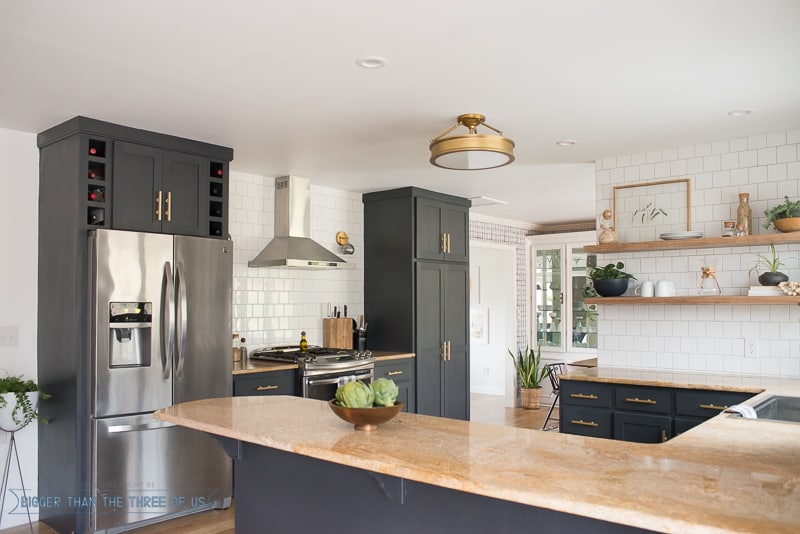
(291, 246)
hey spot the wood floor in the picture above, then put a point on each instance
(485, 409)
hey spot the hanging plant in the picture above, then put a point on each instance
(19, 401)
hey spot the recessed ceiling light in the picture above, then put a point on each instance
(371, 62)
(739, 113)
(566, 142)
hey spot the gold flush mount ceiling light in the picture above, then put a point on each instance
(472, 151)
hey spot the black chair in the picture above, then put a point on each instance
(553, 371)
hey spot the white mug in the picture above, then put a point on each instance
(645, 289)
(665, 288)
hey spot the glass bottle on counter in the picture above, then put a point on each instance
(744, 215)
(237, 354)
(303, 342)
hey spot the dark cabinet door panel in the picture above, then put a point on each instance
(585, 393)
(429, 338)
(267, 383)
(457, 229)
(642, 428)
(183, 187)
(402, 373)
(137, 180)
(706, 403)
(585, 421)
(429, 230)
(456, 335)
(644, 399)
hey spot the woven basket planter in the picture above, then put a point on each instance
(531, 398)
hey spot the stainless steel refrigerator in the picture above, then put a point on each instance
(160, 323)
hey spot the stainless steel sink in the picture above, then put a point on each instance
(779, 408)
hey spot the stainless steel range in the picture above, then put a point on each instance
(322, 370)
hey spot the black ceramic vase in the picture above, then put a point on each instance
(772, 278)
(613, 287)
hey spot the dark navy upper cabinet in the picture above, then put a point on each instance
(416, 290)
(442, 231)
(130, 179)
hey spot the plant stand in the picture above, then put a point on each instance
(12, 447)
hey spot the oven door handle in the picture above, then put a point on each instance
(335, 380)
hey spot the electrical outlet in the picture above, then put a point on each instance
(9, 336)
(486, 371)
(751, 348)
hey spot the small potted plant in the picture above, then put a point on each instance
(530, 373)
(784, 217)
(19, 400)
(611, 280)
(771, 276)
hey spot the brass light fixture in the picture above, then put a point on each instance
(472, 151)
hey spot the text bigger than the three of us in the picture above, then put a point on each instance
(110, 503)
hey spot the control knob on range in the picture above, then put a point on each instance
(362, 355)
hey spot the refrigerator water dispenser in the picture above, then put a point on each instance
(130, 326)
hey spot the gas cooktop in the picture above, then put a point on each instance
(314, 357)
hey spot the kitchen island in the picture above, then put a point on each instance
(298, 466)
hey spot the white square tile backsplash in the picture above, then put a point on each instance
(707, 337)
(271, 306)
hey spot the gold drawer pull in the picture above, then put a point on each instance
(394, 373)
(159, 197)
(713, 407)
(640, 401)
(582, 396)
(266, 388)
(584, 423)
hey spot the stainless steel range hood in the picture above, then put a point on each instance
(291, 246)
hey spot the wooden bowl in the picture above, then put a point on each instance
(788, 224)
(366, 418)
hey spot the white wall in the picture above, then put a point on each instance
(492, 293)
(707, 337)
(272, 306)
(19, 182)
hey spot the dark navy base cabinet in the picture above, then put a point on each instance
(279, 491)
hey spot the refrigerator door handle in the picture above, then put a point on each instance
(182, 309)
(114, 429)
(167, 321)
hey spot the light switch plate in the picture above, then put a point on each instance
(9, 336)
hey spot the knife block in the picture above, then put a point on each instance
(337, 333)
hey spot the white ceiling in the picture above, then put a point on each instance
(277, 81)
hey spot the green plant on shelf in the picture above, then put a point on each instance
(782, 211)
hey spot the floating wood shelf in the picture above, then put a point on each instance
(705, 242)
(722, 299)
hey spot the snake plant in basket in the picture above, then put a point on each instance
(19, 400)
(530, 373)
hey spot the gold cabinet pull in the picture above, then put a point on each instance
(449, 351)
(583, 396)
(444, 243)
(637, 400)
(266, 388)
(713, 407)
(663, 436)
(158, 206)
(448, 242)
(584, 423)
(394, 373)
(444, 351)
(169, 205)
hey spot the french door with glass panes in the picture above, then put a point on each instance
(560, 321)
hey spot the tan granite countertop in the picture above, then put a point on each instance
(688, 380)
(256, 366)
(726, 475)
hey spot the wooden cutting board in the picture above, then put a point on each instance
(337, 333)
